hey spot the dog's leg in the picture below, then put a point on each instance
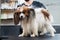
(52, 33)
(50, 29)
(42, 28)
(21, 35)
(35, 33)
(43, 31)
(35, 30)
(24, 32)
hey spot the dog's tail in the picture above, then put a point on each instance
(47, 15)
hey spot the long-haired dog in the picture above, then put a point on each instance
(34, 20)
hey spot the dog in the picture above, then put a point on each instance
(34, 20)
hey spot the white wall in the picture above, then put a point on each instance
(20, 1)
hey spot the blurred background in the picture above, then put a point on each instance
(8, 7)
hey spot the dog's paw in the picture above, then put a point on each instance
(52, 35)
(32, 35)
(21, 35)
(41, 33)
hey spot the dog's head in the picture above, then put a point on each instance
(23, 13)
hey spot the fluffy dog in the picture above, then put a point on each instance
(34, 20)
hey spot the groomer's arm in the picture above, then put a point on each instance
(41, 5)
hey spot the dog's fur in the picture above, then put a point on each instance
(34, 20)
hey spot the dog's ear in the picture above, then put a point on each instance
(16, 18)
(32, 11)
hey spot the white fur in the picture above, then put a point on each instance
(39, 23)
(22, 15)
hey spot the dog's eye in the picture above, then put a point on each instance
(20, 12)
(23, 12)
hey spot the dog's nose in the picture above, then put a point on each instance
(21, 16)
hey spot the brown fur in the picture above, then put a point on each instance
(46, 13)
(26, 12)
(16, 17)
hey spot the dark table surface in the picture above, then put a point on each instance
(11, 32)
(44, 37)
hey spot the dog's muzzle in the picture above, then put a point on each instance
(22, 16)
